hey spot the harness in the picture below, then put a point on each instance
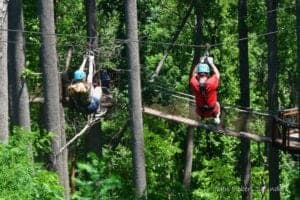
(205, 107)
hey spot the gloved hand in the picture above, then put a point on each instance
(210, 60)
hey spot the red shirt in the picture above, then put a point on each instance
(212, 84)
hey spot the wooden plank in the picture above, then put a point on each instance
(290, 111)
(212, 128)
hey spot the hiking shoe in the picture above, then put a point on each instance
(217, 120)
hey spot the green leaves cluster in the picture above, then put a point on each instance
(20, 177)
(109, 175)
(97, 179)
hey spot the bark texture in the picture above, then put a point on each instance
(135, 99)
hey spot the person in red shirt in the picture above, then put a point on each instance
(204, 86)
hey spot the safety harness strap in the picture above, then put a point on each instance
(205, 107)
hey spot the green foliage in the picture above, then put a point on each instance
(30, 74)
(98, 187)
(20, 178)
(105, 177)
(259, 171)
(290, 176)
(216, 180)
(46, 185)
(109, 176)
(214, 167)
(160, 153)
(42, 144)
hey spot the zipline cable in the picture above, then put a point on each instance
(249, 110)
(189, 98)
(150, 42)
(125, 41)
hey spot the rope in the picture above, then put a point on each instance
(125, 41)
(163, 4)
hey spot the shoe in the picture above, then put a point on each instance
(100, 112)
(217, 120)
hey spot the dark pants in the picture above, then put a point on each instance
(94, 104)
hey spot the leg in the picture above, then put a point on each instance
(94, 104)
(217, 117)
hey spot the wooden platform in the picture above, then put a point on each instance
(292, 146)
(288, 136)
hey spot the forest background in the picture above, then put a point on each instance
(100, 162)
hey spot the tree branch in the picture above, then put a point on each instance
(195, 123)
(176, 34)
(89, 125)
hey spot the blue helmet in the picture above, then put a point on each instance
(203, 68)
(79, 75)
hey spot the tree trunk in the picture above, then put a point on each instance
(188, 164)
(190, 131)
(93, 138)
(91, 18)
(136, 118)
(64, 155)
(52, 105)
(245, 165)
(19, 98)
(298, 51)
(297, 185)
(273, 153)
(3, 74)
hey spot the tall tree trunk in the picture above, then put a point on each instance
(297, 193)
(298, 51)
(135, 99)
(188, 164)
(63, 139)
(3, 74)
(51, 90)
(190, 131)
(93, 138)
(19, 98)
(273, 153)
(245, 165)
(91, 18)
(64, 155)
